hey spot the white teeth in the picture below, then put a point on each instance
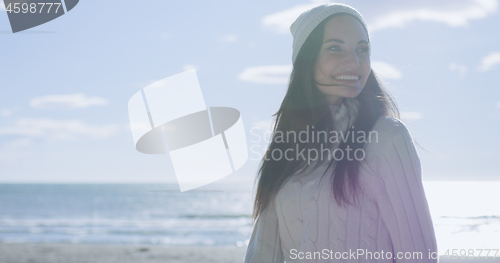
(347, 77)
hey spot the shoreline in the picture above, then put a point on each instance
(119, 253)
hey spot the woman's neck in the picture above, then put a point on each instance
(337, 101)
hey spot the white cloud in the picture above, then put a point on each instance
(411, 115)
(229, 38)
(5, 113)
(189, 67)
(461, 69)
(488, 62)
(454, 14)
(71, 101)
(276, 74)
(454, 17)
(56, 130)
(280, 22)
(498, 104)
(386, 70)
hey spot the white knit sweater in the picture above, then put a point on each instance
(304, 224)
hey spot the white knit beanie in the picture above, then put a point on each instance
(307, 21)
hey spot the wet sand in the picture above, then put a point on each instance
(95, 253)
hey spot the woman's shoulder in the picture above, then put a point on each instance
(388, 126)
(387, 131)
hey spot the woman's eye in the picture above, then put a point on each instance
(335, 48)
(364, 49)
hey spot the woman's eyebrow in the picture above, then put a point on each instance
(342, 42)
(334, 40)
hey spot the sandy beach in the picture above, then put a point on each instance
(93, 253)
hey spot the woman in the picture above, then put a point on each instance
(341, 179)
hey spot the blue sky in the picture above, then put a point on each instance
(65, 85)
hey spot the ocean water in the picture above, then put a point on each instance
(466, 215)
(124, 214)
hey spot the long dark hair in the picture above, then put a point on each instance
(305, 106)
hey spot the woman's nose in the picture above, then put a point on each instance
(351, 61)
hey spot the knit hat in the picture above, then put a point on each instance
(307, 21)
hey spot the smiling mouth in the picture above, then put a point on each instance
(347, 77)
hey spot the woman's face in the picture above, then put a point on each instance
(344, 59)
